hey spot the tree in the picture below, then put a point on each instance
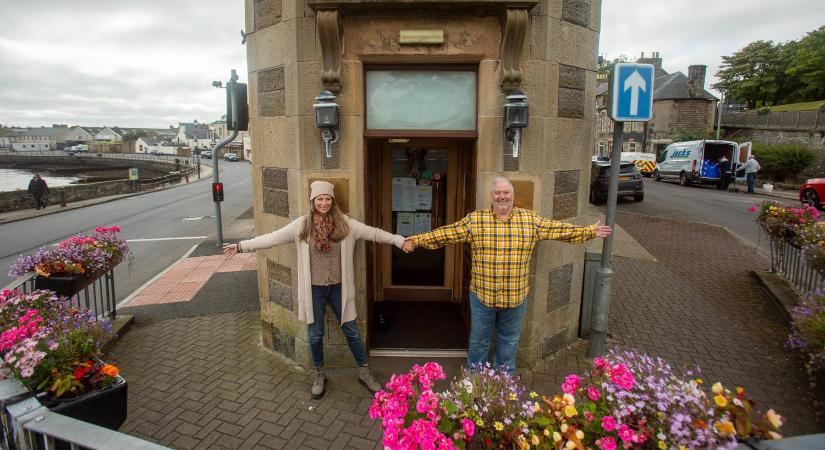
(606, 65)
(808, 64)
(751, 74)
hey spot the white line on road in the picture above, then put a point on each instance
(182, 238)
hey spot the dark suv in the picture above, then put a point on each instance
(630, 182)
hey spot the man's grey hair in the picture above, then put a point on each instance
(498, 180)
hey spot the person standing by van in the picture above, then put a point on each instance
(751, 167)
(724, 173)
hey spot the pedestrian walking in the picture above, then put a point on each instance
(502, 239)
(751, 167)
(325, 240)
(38, 189)
(724, 173)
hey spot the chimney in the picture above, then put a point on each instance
(655, 60)
(696, 80)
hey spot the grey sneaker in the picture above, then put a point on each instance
(366, 378)
(319, 385)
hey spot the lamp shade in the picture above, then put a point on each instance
(516, 111)
(326, 110)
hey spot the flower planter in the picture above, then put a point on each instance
(66, 286)
(106, 408)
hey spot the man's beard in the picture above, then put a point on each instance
(503, 207)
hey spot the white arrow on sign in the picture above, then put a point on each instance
(635, 83)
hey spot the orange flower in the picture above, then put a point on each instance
(109, 370)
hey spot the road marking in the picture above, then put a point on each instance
(182, 238)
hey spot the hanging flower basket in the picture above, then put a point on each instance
(66, 285)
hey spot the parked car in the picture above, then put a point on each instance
(230, 157)
(155, 153)
(206, 154)
(630, 182)
(812, 192)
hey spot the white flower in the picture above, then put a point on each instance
(468, 386)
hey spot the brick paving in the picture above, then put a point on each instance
(206, 381)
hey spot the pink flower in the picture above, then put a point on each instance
(427, 402)
(468, 426)
(593, 393)
(599, 363)
(571, 383)
(625, 433)
(589, 416)
(608, 423)
(606, 443)
(752, 209)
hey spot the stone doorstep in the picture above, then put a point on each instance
(778, 291)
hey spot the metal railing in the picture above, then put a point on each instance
(135, 156)
(98, 297)
(788, 261)
(783, 120)
(27, 425)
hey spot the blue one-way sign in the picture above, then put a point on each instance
(630, 92)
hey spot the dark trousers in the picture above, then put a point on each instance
(725, 181)
(39, 200)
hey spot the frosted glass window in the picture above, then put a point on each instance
(421, 100)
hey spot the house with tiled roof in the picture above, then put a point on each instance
(38, 139)
(680, 103)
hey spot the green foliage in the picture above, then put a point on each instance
(606, 65)
(783, 161)
(768, 73)
(763, 111)
(683, 135)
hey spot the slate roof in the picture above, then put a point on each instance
(44, 132)
(674, 86)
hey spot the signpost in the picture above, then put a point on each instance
(629, 99)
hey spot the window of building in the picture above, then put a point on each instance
(421, 100)
(601, 148)
(631, 146)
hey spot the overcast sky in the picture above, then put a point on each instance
(150, 63)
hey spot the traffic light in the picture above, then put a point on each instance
(217, 192)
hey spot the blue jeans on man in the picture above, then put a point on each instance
(506, 322)
(321, 295)
(751, 177)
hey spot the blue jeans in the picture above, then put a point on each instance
(507, 323)
(751, 181)
(321, 295)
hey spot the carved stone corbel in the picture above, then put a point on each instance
(329, 34)
(512, 44)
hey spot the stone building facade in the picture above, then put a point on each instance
(680, 103)
(388, 63)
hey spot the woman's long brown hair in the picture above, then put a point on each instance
(340, 228)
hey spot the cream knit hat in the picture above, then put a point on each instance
(321, 187)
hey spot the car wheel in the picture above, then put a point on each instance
(639, 197)
(810, 198)
(656, 176)
(683, 179)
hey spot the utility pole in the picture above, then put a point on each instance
(719, 116)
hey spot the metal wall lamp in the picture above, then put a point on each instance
(516, 117)
(326, 119)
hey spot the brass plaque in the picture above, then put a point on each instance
(421, 37)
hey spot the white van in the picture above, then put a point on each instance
(698, 161)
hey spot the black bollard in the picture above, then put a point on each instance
(61, 194)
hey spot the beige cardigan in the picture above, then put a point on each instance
(289, 233)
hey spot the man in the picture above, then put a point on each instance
(502, 239)
(38, 189)
(724, 173)
(750, 167)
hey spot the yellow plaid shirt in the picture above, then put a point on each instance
(502, 249)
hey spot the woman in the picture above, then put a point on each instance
(325, 240)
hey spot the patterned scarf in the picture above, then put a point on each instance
(321, 229)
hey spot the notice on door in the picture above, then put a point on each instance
(424, 198)
(405, 224)
(423, 222)
(403, 194)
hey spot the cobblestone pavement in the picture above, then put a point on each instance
(206, 382)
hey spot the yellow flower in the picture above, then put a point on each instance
(498, 425)
(479, 422)
(740, 390)
(533, 395)
(534, 440)
(725, 427)
(569, 399)
(773, 418)
(660, 414)
(536, 407)
(570, 445)
(579, 434)
(720, 401)
(682, 447)
(522, 423)
(513, 396)
(570, 411)
(547, 432)
(662, 445)
(699, 381)
(717, 388)
(556, 436)
(564, 428)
